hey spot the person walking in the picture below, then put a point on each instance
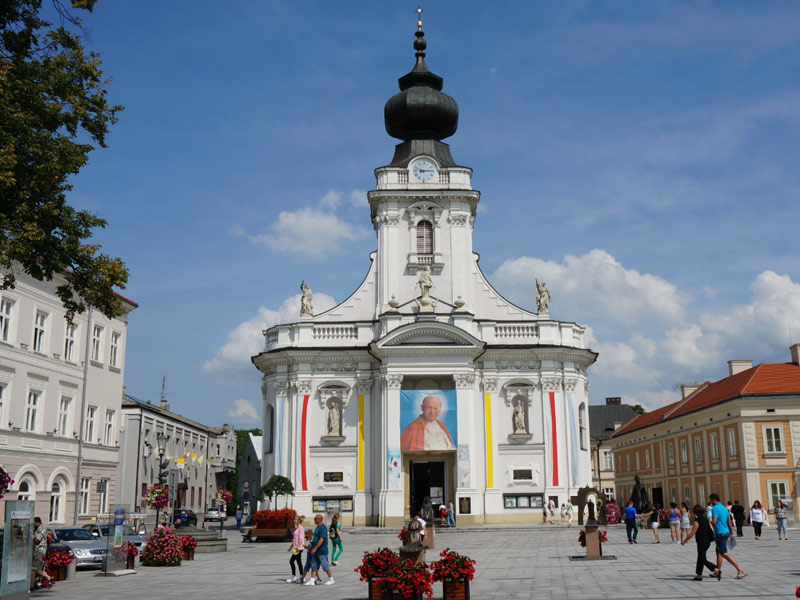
(685, 525)
(723, 531)
(757, 518)
(336, 538)
(309, 535)
(451, 514)
(239, 518)
(551, 511)
(570, 511)
(296, 548)
(674, 523)
(703, 534)
(630, 523)
(319, 552)
(563, 513)
(654, 521)
(738, 517)
(781, 520)
(39, 550)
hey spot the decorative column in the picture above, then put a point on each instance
(492, 498)
(302, 396)
(551, 385)
(363, 505)
(465, 455)
(391, 494)
(282, 447)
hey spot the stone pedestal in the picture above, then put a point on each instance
(593, 548)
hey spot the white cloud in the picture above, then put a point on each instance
(246, 339)
(308, 231)
(331, 199)
(595, 286)
(358, 198)
(244, 411)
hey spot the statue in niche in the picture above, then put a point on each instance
(425, 282)
(542, 297)
(334, 418)
(519, 416)
(306, 305)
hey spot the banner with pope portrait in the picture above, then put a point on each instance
(428, 420)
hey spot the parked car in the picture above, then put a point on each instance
(88, 550)
(215, 513)
(100, 531)
(184, 516)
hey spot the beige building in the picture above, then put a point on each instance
(738, 437)
(604, 419)
(42, 368)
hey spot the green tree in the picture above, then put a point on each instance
(639, 409)
(53, 111)
(278, 485)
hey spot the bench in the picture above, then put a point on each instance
(277, 534)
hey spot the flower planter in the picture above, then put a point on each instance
(374, 592)
(456, 589)
(188, 554)
(57, 573)
(133, 562)
(395, 595)
(71, 569)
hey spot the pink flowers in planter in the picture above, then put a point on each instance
(163, 549)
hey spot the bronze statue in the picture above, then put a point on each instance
(639, 496)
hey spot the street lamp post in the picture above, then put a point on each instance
(161, 440)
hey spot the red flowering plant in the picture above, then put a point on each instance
(405, 579)
(157, 496)
(404, 535)
(274, 519)
(42, 583)
(124, 552)
(5, 482)
(797, 592)
(58, 557)
(163, 549)
(223, 497)
(453, 565)
(613, 513)
(602, 536)
(375, 564)
(188, 543)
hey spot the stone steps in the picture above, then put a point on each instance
(207, 541)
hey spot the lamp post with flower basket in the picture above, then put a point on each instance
(222, 497)
(161, 441)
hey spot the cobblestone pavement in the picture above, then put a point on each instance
(524, 562)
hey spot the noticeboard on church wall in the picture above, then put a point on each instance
(428, 420)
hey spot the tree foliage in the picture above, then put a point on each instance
(639, 409)
(53, 111)
(277, 485)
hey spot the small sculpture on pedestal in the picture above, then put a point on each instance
(542, 298)
(306, 304)
(334, 419)
(425, 303)
(519, 417)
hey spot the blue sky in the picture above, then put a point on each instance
(639, 157)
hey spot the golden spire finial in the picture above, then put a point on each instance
(419, 18)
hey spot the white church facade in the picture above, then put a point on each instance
(426, 382)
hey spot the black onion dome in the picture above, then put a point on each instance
(421, 111)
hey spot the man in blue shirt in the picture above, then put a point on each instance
(630, 523)
(723, 530)
(319, 552)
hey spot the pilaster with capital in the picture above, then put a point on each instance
(465, 457)
(391, 497)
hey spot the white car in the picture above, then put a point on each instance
(215, 513)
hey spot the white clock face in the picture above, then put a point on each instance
(423, 170)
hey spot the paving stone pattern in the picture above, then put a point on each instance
(523, 562)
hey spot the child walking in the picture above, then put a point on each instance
(297, 547)
(309, 535)
(336, 538)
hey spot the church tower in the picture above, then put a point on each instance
(425, 383)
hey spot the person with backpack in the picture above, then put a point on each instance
(335, 533)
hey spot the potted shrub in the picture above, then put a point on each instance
(5, 482)
(163, 549)
(455, 571)
(373, 566)
(157, 496)
(403, 579)
(57, 561)
(188, 544)
(613, 513)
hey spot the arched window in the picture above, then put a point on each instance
(56, 497)
(582, 425)
(25, 490)
(424, 237)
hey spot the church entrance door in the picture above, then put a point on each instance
(427, 479)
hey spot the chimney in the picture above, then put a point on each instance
(613, 401)
(737, 366)
(795, 350)
(686, 390)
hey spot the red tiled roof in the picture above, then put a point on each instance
(761, 380)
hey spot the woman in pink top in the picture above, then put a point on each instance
(297, 547)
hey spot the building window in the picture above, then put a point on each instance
(63, 416)
(39, 327)
(582, 425)
(608, 462)
(687, 494)
(5, 320)
(91, 413)
(684, 452)
(97, 343)
(32, 411)
(773, 444)
(712, 440)
(56, 496)
(2, 399)
(424, 237)
(671, 453)
(698, 450)
(619, 464)
(647, 459)
(84, 499)
(69, 342)
(732, 450)
(102, 496)
(609, 492)
(628, 462)
(108, 428)
(701, 493)
(637, 461)
(112, 360)
(777, 491)
(674, 494)
(24, 490)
